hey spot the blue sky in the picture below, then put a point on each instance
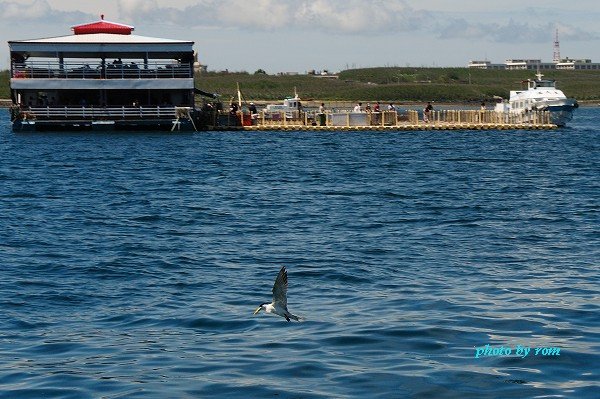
(300, 35)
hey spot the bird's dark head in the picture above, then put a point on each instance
(260, 307)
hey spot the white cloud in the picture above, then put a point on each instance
(132, 7)
(257, 14)
(36, 10)
(334, 17)
(512, 31)
(575, 33)
(377, 32)
(337, 16)
(33, 10)
(354, 16)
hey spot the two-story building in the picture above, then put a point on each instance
(102, 77)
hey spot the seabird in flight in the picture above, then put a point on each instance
(279, 304)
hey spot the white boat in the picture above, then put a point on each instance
(540, 95)
(290, 106)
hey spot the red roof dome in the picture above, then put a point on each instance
(103, 26)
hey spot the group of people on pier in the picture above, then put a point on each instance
(358, 108)
(376, 107)
(427, 111)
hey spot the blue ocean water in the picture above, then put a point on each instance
(131, 264)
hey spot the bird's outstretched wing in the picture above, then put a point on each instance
(280, 288)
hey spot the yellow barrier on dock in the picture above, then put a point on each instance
(387, 121)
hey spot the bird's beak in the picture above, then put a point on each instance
(258, 310)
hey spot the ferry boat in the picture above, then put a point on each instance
(540, 95)
(102, 77)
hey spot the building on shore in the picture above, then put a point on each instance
(484, 64)
(536, 65)
(584, 64)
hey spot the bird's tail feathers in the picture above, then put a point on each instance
(294, 317)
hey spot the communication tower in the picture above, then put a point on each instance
(556, 57)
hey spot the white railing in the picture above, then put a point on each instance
(480, 117)
(102, 113)
(387, 118)
(78, 70)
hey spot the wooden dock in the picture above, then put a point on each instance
(410, 120)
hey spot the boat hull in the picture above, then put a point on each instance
(561, 112)
(141, 125)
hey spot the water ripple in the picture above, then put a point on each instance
(132, 264)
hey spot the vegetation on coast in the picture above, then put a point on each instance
(4, 84)
(452, 85)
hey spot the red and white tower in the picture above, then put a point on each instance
(556, 56)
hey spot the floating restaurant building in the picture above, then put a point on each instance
(102, 77)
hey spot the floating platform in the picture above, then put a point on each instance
(398, 127)
(409, 120)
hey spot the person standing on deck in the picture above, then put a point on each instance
(233, 108)
(427, 112)
(253, 112)
(252, 109)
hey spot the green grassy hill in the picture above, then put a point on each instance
(4, 84)
(387, 84)
(398, 84)
(471, 84)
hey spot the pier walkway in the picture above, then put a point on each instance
(385, 121)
